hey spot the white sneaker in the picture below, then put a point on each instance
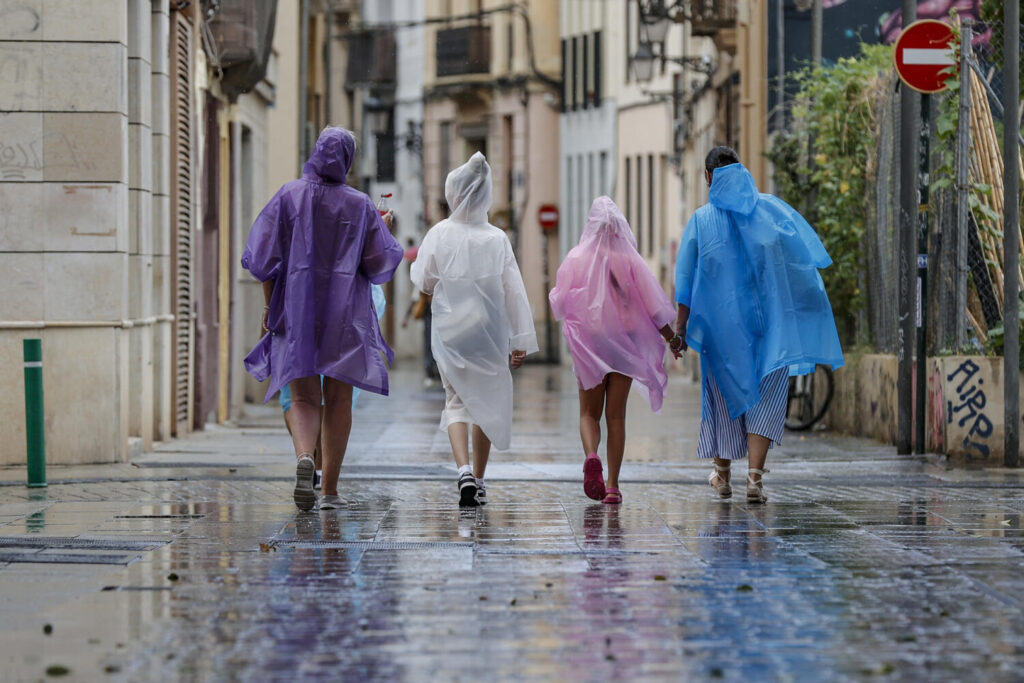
(331, 502)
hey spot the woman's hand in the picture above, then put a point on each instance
(517, 359)
(389, 218)
(677, 345)
(263, 323)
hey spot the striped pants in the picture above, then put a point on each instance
(722, 437)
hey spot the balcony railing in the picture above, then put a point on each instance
(708, 17)
(465, 50)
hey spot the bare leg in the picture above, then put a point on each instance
(591, 405)
(757, 447)
(304, 416)
(615, 417)
(337, 425)
(481, 451)
(458, 435)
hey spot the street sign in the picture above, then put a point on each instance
(547, 216)
(923, 51)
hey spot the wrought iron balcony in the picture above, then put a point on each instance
(464, 50)
(708, 17)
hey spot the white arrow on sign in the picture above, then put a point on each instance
(916, 55)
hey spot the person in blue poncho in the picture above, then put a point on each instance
(752, 302)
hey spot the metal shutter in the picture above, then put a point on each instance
(182, 217)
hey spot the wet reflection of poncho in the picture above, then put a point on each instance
(748, 269)
(480, 310)
(322, 243)
(612, 306)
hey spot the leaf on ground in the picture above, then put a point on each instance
(513, 602)
(173, 577)
(111, 669)
(660, 577)
(47, 629)
(744, 588)
(483, 597)
(57, 670)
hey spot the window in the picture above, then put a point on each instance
(575, 72)
(639, 225)
(585, 72)
(445, 158)
(650, 204)
(597, 69)
(602, 170)
(627, 184)
(565, 74)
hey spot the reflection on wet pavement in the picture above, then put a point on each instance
(860, 565)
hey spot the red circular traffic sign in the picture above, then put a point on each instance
(547, 216)
(923, 53)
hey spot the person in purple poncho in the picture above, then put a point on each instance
(317, 246)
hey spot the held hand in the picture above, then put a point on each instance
(263, 321)
(677, 345)
(389, 218)
(517, 359)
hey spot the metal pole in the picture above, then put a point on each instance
(816, 32)
(922, 274)
(35, 424)
(963, 179)
(1011, 232)
(909, 121)
(780, 65)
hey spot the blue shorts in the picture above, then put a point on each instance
(285, 396)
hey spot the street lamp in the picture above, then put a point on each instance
(643, 62)
(655, 19)
(378, 121)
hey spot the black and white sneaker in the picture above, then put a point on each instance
(467, 490)
(481, 494)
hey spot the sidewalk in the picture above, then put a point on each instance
(192, 563)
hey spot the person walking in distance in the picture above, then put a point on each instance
(317, 246)
(613, 310)
(752, 303)
(480, 315)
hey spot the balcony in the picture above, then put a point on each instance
(708, 17)
(463, 51)
(371, 58)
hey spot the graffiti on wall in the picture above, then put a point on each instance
(969, 408)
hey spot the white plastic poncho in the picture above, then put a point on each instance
(480, 310)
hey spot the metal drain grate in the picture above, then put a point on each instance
(371, 545)
(37, 557)
(135, 588)
(597, 552)
(77, 543)
(159, 516)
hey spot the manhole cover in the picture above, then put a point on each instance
(371, 545)
(77, 543)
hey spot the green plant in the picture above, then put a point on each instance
(994, 345)
(835, 106)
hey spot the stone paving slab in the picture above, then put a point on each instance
(862, 565)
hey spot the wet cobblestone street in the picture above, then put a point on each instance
(192, 563)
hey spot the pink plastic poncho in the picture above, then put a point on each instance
(612, 306)
(322, 243)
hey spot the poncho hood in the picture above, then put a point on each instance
(332, 156)
(605, 222)
(733, 189)
(468, 191)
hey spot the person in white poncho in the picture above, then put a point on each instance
(480, 315)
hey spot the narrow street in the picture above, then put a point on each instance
(192, 563)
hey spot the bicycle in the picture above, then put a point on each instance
(809, 398)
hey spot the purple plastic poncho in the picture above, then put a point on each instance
(322, 243)
(612, 306)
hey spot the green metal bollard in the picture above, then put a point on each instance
(35, 425)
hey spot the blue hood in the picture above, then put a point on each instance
(733, 189)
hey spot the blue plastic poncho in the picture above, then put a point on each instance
(748, 270)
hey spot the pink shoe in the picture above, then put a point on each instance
(593, 480)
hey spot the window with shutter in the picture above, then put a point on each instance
(182, 217)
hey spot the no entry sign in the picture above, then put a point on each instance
(922, 53)
(547, 216)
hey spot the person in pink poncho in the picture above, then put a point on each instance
(613, 310)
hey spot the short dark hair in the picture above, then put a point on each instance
(720, 156)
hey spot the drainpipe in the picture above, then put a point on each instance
(303, 85)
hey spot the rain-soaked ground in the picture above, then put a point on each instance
(191, 563)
